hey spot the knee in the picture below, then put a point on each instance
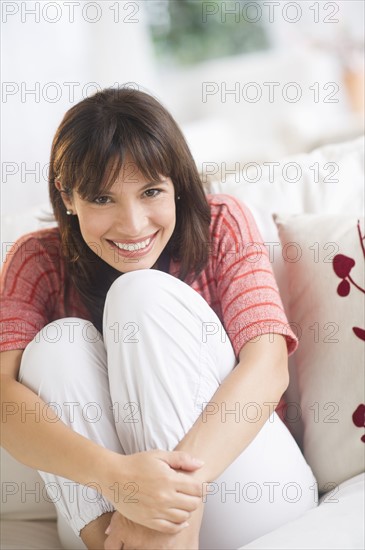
(146, 289)
(142, 283)
(58, 351)
(141, 296)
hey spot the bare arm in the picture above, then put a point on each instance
(260, 377)
(41, 444)
(165, 497)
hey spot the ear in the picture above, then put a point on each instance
(66, 199)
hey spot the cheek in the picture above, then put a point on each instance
(166, 216)
(91, 224)
(168, 222)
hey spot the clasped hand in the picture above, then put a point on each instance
(123, 534)
(156, 489)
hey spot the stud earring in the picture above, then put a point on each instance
(178, 198)
(69, 212)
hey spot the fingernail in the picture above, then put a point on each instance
(185, 525)
(107, 530)
(198, 462)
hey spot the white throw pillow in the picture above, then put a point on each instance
(324, 258)
(329, 180)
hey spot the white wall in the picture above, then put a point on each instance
(37, 54)
(117, 49)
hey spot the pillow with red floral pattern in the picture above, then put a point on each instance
(324, 258)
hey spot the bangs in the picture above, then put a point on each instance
(113, 131)
(111, 146)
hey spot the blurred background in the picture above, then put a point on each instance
(246, 81)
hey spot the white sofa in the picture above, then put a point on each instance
(317, 200)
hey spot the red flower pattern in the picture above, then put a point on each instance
(342, 266)
(358, 418)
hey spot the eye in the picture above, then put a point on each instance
(101, 200)
(155, 192)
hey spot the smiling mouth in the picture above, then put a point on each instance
(135, 247)
(131, 247)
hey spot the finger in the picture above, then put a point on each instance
(186, 503)
(189, 486)
(113, 542)
(173, 515)
(178, 516)
(174, 500)
(182, 461)
(168, 527)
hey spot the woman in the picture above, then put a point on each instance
(148, 332)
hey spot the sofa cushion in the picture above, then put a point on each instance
(328, 180)
(32, 535)
(23, 493)
(337, 523)
(324, 258)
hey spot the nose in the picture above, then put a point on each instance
(130, 220)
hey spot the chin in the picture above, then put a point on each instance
(126, 267)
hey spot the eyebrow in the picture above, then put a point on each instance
(145, 186)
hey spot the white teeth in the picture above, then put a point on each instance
(133, 247)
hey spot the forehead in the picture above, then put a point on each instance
(129, 173)
(131, 178)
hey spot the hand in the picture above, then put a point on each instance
(154, 488)
(117, 532)
(123, 534)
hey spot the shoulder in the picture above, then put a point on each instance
(228, 206)
(41, 238)
(218, 201)
(229, 213)
(44, 243)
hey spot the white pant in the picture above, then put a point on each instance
(163, 355)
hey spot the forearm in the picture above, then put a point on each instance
(133, 535)
(146, 487)
(33, 434)
(258, 379)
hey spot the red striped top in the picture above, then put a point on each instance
(238, 282)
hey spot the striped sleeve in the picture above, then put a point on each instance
(246, 286)
(30, 285)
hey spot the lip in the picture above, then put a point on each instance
(129, 241)
(135, 254)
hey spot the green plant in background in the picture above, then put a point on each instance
(184, 33)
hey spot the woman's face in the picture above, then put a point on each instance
(129, 225)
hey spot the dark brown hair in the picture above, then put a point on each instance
(88, 152)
